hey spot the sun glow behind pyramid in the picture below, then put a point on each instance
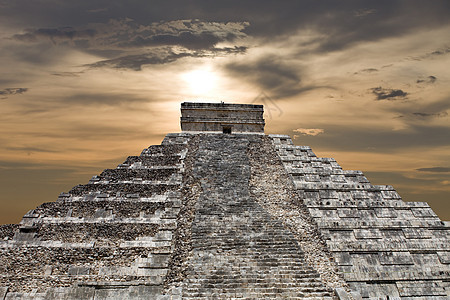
(201, 81)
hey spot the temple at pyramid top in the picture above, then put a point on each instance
(222, 117)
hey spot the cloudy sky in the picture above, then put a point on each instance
(83, 84)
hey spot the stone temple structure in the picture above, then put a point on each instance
(223, 211)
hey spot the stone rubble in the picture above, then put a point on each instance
(190, 192)
(274, 190)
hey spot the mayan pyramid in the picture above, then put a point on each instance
(223, 211)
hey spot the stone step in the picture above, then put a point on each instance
(163, 150)
(238, 247)
(140, 190)
(99, 208)
(100, 233)
(114, 175)
(149, 161)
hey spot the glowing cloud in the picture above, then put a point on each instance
(309, 131)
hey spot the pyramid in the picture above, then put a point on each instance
(223, 211)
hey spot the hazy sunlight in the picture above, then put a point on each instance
(200, 81)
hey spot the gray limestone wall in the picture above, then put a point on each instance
(383, 246)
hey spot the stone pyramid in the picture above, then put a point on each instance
(223, 211)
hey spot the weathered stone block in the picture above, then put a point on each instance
(70, 293)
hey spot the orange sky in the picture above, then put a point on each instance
(84, 85)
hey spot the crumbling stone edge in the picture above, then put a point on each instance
(284, 203)
(190, 191)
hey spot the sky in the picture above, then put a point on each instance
(84, 84)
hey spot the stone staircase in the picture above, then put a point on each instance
(238, 249)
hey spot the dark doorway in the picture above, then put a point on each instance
(227, 129)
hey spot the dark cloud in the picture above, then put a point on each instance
(362, 137)
(30, 149)
(161, 56)
(431, 115)
(135, 62)
(435, 169)
(54, 34)
(424, 111)
(40, 54)
(440, 106)
(97, 10)
(369, 70)
(364, 12)
(12, 91)
(189, 34)
(429, 79)
(68, 74)
(130, 45)
(202, 25)
(270, 74)
(430, 55)
(441, 51)
(113, 99)
(388, 94)
(126, 33)
(189, 40)
(342, 31)
(341, 24)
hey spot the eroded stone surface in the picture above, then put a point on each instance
(273, 189)
(239, 249)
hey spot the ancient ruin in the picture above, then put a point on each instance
(223, 211)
